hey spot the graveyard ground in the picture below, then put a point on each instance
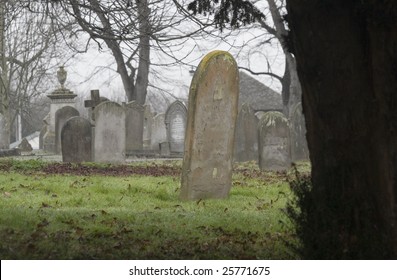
(53, 210)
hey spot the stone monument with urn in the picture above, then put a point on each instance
(61, 97)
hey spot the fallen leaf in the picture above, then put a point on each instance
(45, 205)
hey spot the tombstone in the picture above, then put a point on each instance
(76, 140)
(175, 123)
(299, 149)
(134, 126)
(210, 130)
(246, 143)
(25, 146)
(159, 133)
(147, 127)
(165, 149)
(109, 136)
(61, 116)
(274, 154)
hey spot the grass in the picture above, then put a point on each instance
(50, 216)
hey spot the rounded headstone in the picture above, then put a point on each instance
(175, 122)
(274, 151)
(61, 116)
(110, 136)
(76, 138)
(211, 121)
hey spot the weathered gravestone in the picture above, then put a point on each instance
(159, 133)
(76, 139)
(210, 130)
(299, 149)
(61, 116)
(274, 152)
(109, 136)
(175, 123)
(246, 143)
(147, 127)
(134, 127)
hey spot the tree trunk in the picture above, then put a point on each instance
(346, 58)
(142, 79)
(5, 125)
(291, 89)
(295, 90)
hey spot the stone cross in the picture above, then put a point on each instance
(95, 100)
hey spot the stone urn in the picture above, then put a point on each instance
(62, 75)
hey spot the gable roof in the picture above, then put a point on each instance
(257, 95)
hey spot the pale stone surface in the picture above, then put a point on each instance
(134, 126)
(246, 143)
(175, 122)
(209, 143)
(274, 152)
(159, 133)
(60, 98)
(299, 149)
(61, 116)
(76, 139)
(109, 136)
(43, 131)
(147, 127)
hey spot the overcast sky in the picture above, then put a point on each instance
(175, 79)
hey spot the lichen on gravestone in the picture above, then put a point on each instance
(211, 121)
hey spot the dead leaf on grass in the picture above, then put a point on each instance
(45, 205)
(43, 223)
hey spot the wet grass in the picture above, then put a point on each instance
(123, 215)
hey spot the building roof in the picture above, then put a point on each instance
(257, 95)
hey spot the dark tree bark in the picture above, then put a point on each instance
(346, 54)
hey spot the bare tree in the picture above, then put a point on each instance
(132, 31)
(28, 43)
(267, 15)
(4, 95)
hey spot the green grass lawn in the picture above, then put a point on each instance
(49, 211)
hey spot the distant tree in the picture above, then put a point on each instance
(133, 30)
(268, 15)
(27, 47)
